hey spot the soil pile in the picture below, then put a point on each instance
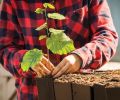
(108, 78)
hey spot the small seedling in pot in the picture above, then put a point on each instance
(56, 39)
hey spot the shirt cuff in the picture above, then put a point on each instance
(84, 56)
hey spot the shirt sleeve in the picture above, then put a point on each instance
(11, 41)
(104, 40)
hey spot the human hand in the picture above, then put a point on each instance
(70, 64)
(43, 68)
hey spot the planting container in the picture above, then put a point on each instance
(97, 86)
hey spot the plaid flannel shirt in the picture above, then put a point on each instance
(88, 23)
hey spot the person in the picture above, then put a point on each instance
(89, 24)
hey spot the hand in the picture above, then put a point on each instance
(43, 68)
(70, 64)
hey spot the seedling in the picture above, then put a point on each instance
(56, 39)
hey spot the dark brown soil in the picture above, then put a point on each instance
(108, 79)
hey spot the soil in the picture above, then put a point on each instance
(108, 78)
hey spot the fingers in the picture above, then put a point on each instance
(41, 70)
(62, 70)
(47, 63)
(46, 71)
(38, 71)
(70, 70)
(58, 67)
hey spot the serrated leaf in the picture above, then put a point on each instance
(42, 37)
(60, 43)
(48, 5)
(56, 16)
(31, 58)
(41, 27)
(52, 30)
(39, 10)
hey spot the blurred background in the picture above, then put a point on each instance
(7, 89)
(115, 7)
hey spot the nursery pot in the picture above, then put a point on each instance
(63, 91)
(45, 87)
(81, 92)
(103, 93)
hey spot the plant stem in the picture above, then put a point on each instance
(48, 54)
(47, 23)
(47, 31)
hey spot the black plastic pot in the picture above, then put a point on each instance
(102, 93)
(50, 90)
(113, 93)
(63, 91)
(99, 92)
(81, 92)
(45, 88)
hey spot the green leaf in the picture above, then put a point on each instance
(60, 43)
(42, 37)
(41, 27)
(56, 16)
(39, 10)
(52, 30)
(31, 58)
(48, 5)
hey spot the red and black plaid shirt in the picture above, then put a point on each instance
(88, 23)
